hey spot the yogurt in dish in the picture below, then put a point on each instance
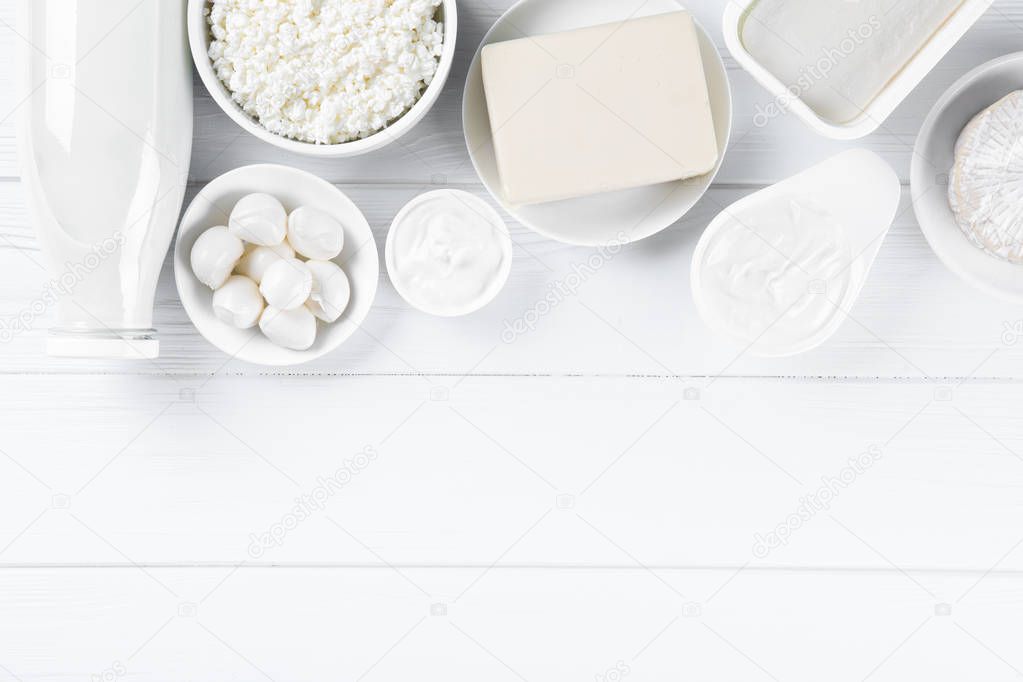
(448, 253)
(779, 270)
(772, 274)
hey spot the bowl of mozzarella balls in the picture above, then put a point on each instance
(275, 266)
(324, 78)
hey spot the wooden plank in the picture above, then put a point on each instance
(510, 624)
(528, 471)
(436, 150)
(569, 310)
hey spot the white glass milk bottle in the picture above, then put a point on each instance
(104, 140)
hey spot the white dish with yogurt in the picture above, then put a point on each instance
(843, 67)
(448, 253)
(778, 271)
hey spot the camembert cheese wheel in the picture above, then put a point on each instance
(985, 188)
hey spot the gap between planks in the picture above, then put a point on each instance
(755, 378)
(624, 568)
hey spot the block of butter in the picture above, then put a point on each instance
(599, 109)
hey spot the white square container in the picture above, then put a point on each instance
(889, 98)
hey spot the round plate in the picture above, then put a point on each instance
(294, 188)
(603, 218)
(934, 156)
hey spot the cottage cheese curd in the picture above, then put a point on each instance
(325, 71)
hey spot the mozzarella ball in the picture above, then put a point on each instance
(259, 219)
(214, 256)
(258, 258)
(331, 290)
(287, 284)
(315, 234)
(238, 302)
(294, 329)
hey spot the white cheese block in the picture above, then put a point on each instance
(985, 188)
(599, 109)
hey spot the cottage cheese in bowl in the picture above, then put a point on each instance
(323, 74)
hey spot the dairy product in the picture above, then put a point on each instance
(238, 302)
(104, 140)
(837, 55)
(255, 283)
(448, 253)
(771, 273)
(294, 329)
(331, 292)
(779, 270)
(258, 259)
(325, 72)
(315, 234)
(214, 255)
(287, 284)
(259, 219)
(985, 185)
(599, 109)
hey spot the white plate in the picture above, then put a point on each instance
(603, 218)
(294, 188)
(933, 157)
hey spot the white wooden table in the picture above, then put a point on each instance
(582, 502)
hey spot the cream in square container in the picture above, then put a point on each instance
(599, 109)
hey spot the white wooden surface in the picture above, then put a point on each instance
(580, 502)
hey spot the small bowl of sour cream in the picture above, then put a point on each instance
(448, 253)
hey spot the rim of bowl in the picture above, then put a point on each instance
(199, 38)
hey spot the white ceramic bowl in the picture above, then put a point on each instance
(933, 157)
(294, 188)
(487, 213)
(199, 39)
(603, 218)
